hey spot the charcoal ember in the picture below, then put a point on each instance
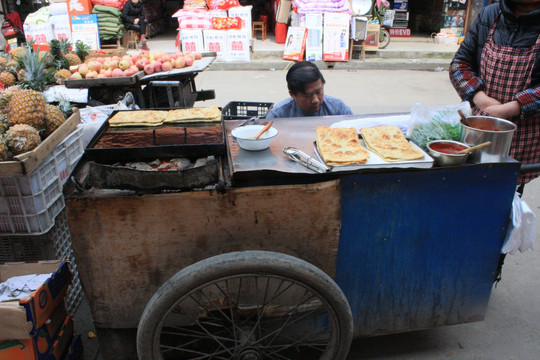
(166, 166)
(181, 163)
(155, 163)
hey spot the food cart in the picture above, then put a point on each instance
(360, 252)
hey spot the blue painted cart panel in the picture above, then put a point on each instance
(419, 249)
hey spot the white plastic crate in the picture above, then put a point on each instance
(29, 204)
(54, 244)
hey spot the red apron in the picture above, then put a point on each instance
(506, 71)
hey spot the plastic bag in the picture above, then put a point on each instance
(521, 232)
(429, 123)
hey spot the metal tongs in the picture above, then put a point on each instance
(305, 160)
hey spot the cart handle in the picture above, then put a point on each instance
(528, 168)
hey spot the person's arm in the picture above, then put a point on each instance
(464, 68)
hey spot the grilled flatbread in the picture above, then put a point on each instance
(210, 113)
(138, 118)
(340, 146)
(390, 144)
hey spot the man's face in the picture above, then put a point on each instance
(311, 99)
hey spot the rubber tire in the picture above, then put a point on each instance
(238, 263)
(386, 36)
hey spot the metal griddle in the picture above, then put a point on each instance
(154, 150)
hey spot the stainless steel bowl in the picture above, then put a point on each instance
(444, 159)
(480, 129)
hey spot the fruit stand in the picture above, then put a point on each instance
(374, 246)
(179, 84)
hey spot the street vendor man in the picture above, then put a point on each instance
(306, 87)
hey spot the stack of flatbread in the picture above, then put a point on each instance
(340, 146)
(211, 113)
(390, 144)
(159, 117)
(138, 118)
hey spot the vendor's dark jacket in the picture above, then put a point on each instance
(510, 32)
(132, 11)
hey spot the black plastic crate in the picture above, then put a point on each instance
(245, 110)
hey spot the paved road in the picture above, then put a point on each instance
(512, 324)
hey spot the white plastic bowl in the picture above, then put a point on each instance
(244, 133)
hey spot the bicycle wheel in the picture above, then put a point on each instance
(385, 39)
(247, 305)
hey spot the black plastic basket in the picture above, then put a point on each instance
(245, 110)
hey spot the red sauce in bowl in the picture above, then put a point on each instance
(446, 148)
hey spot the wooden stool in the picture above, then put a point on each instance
(357, 44)
(130, 39)
(259, 26)
(111, 45)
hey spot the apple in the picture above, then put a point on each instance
(189, 60)
(145, 60)
(166, 66)
(148, 69)
(140, 64)
(134, 68)
(164, 58)
(198, 55)
(101, 59)
(91, 75)
(107, 72)
(106, 65)
(179, 62)
(124, 64)
(135, 58)
(158, 66)
(129, 72)
(94, 65)
(117, 73)
(83, 69)
(74, 68)
(76, 76)
(100, 76)
(117, 58)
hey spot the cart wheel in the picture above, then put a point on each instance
(247, 306)
(385, 39)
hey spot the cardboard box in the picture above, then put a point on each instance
(216, 41)
(27, 162)
(80, 7)
(61, 345)
(26, 317)
(238, 45)
(192, 40)
(41, 343)
(372, 37)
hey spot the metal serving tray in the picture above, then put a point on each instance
(375, 161)
(112, 81)
(157, 147)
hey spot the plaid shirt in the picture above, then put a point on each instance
(506, 72)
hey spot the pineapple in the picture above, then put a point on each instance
(7, 78)
(62, 75)
(18, 51)
(82, 50)
(27, 107)
(34, 77)
(5, 96)
(65, 48)
(21, 75)
(53, 119)
(4, 124)
(22, 138)
(3, 62)
(65, 106)
(3, 148)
